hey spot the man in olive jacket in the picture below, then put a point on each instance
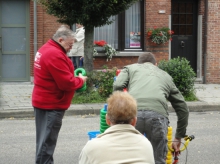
(152, 87)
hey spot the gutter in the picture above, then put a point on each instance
(205, 41)
(35, 33)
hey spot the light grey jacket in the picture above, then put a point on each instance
(78, 46)
(120, 143)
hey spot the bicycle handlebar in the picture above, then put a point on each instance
(187, 139)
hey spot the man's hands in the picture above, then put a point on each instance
(84, 78)
(176, 145)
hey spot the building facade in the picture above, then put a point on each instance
(25, 27)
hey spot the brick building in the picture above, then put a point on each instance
(195, 23)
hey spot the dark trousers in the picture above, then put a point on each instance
(81, 62)
(76, 61)
(155, 126)
(48, 124)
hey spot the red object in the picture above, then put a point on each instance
(117, 72)
(100, 43)
(54, 81)
(149, 33)
(176, 159)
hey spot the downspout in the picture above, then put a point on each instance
(205, 40)
(35, 32)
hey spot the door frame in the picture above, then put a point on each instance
(27, 51)
(199, 78)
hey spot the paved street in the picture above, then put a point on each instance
(17, 139)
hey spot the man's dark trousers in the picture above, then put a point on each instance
(48, 124)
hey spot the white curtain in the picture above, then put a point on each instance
(108, 33)
(132, 26)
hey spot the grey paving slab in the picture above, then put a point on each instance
(15, 100)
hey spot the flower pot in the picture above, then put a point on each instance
(97, 48)
(150, 43)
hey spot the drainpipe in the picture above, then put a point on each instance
(35, 32)
(205, 40)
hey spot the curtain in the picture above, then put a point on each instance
(108, 33)
(133, 26)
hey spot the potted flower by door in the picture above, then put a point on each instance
(103, 46)
(160, 35)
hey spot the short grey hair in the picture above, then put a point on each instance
(63, 32)
(147, 57)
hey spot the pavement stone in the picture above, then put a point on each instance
(15, 101)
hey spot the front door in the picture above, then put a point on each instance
(14, 40)
(184, 24)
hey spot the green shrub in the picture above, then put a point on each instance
(100, 83)
(88, 96)
(190, 97)
(182, 74)
(99, 87)
(103, 81)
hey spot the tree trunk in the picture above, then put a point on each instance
(88, 49)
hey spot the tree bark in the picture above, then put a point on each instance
(88, 49)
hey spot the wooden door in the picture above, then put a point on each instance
(184, 24)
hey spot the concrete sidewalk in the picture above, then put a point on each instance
(15, 101)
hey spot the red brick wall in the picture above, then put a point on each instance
(213, 37)
(117, 61)
(154, 19)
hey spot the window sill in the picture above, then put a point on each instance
(122, 53)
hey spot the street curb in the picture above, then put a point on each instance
(94, 109)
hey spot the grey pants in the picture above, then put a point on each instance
(154, 126)
(48, 124)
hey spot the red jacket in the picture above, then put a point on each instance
(54, 81)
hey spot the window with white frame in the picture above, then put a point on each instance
(126, 32)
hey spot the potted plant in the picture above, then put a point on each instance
(109, 50)
(160, 35)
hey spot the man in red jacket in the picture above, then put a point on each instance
(54, 87)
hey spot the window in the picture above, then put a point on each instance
(126, 32)
(109, 33)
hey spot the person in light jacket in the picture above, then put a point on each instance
(121, 142)
(76, 54)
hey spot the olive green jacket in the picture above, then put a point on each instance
(152, 87)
